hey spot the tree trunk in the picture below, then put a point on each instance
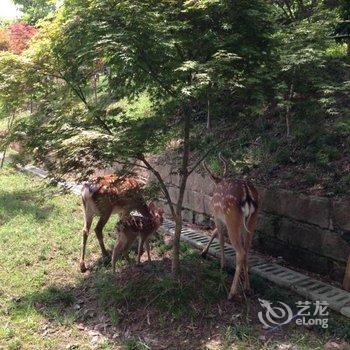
(208, 115)
(3, 157)
(183, 181)
(175, 267)
(184, 173)
(288, 123)
(290, 96)
(95, 88)
(346, 281)
(289, 107)
(9, 125)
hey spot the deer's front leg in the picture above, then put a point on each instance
(123, 245)
(148, 250)
(140, 250)
(222, 247)
(119, 246)
(221, 231)
(205, 250)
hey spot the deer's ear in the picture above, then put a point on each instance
(151, 206)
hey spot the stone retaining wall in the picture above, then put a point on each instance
(304, 230)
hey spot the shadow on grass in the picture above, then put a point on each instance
(141, 307)
(27, 203)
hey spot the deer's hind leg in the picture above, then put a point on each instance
(234, 223)
(251, 225)
(98, 230)
(88, 217)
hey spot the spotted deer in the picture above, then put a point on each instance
(235, 205)
(131, 227)
(103, 196)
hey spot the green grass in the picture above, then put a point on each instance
(40, 240)
(46, 303)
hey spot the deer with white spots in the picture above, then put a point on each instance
(133, 226)
(105, 195)
(235, 205)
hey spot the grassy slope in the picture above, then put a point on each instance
(45, 303)
(313, 160)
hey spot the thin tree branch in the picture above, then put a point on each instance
(154, 75)
(204, 156)
(185, 159)
(161, 183)
(79, 93)
(151, 72)
(132, 164)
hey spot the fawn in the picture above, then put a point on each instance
(131, 227)
(105, 195)
(235, 205)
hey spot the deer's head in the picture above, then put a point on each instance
(214, 176)
(157, 213)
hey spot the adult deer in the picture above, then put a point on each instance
(103, 196)
(235, 205)
(131, 227)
